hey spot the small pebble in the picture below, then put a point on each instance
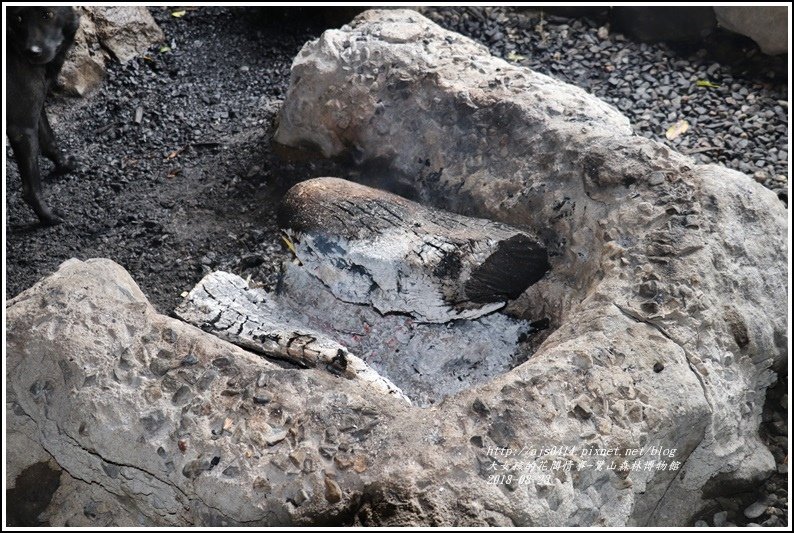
(603, 33)
(181, 396)
(299, 498)
(771, 522)
(262, 398)
(755, 510)
(275, 436)
(332, 491)
(656, 178)
(261, 380)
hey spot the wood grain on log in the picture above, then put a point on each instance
(223, 304)
(374, 247)
(403, 287)
(306, 324)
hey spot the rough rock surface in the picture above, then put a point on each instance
(666, 292)
(106, 33)
(766, 25)
(172, 425)
(667, 276)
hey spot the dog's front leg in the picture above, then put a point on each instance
(25, 144)
(49, 147)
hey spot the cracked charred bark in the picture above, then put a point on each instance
(379, 294)
(373, 247)
(223, 304)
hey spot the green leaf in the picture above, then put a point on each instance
(706, 83)
(164, 49)
(512, 56)
(178, 14)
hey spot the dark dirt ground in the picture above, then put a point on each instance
(195, 185)
(169, 219)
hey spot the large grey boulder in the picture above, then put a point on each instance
(668, 280)
(106, 34)
(766, 25)
(666, 296)
(151, 421)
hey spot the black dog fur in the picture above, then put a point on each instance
(37, 39)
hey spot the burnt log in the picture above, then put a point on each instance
(307, 325)
(373, 247)
(382, 290)
(224, 305)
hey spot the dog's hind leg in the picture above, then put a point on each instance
(25, 144)
(49, 147)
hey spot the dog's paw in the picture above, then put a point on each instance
(65, 166)
(50, 219)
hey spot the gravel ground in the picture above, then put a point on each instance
(193, 185)
(191, 188)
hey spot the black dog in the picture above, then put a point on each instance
(37, 39)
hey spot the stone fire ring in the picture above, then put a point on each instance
(666, 294)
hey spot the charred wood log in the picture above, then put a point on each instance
(224, 305)
(379, 292)
(373, 247)
(307, 325)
